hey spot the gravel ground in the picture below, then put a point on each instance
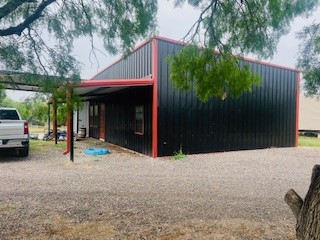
(234, 195)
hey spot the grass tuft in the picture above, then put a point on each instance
(179, 154)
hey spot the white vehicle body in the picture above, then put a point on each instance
(14, 132)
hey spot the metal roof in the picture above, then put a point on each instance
(24, 81)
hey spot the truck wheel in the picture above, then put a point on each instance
(24, 152)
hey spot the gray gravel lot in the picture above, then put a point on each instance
(234, 195)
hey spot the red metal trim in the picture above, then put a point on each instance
(169, 40)
(270, 64)
(121, 58)
(155, 98)
(116, 82)
(297, 108)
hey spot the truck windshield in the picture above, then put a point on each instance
(9, 115)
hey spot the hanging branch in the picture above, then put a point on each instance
(17, 30)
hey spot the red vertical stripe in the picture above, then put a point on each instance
(155, 98)
(297, 108)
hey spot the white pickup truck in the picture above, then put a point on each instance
(14, 132)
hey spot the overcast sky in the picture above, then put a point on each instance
(174, 23)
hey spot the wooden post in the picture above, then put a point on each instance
(70, 91)
(49, 117)
(70, 143)
(54, 119)
(307, 212)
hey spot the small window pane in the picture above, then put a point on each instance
(91, 111)
(96, 111)
(139, 121)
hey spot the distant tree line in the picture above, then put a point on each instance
(35, 108)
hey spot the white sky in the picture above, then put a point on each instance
(174, 23)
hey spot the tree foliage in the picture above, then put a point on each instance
(37, 36)
(309, 58)
(234, 28)
(2, 95)
(210, 74)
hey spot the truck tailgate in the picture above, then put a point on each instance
(11, 129)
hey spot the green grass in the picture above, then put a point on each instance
(39, 145)
(309, 141)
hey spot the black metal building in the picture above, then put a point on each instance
(133, 104)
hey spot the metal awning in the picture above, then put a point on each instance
(17, 81)
(24, 81)
(88, 89)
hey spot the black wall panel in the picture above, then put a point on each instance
(264, 118)
(120, 116)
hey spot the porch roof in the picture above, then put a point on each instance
(88, 89)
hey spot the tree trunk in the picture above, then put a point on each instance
(307, 212)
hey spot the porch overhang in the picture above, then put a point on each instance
(88, 89)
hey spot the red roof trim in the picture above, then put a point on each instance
(244, 58)
(270, 64)
(169, 40)
(116, 82)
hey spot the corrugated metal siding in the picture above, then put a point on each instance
(136, 65)
(119, 118)
(264, 118)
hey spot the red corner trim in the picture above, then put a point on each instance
(155, 98)
(297, 108)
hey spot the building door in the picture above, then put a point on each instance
(94, 120)
(91, 120)
(102, 121)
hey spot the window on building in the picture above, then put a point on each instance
(139, 121)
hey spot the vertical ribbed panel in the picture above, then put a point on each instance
(136, 65)
(119, 118)
(264, 118)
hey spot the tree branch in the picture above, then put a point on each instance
(294, 201)
(28, 21)
(9, 7)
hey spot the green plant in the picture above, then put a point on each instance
(179, 154)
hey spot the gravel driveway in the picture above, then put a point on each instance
(234, 195)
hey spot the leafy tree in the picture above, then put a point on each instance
(235, 28)
(309, 58)
(2, 95)
(22, 108)
(37, 108)
(37, 36)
